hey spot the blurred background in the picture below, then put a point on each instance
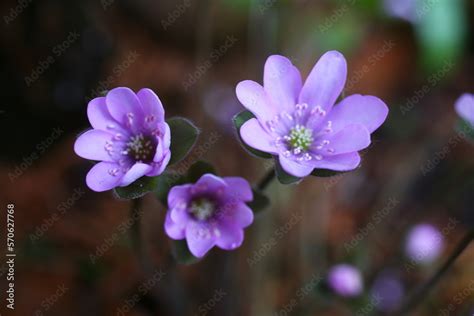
(73, 251)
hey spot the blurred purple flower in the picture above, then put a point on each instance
(387, 291)
(424, 243)
(130, 138)
(345, 280)
(403, 9)
(221, 105)
(299, 124)
(465, 107)
(211, 212)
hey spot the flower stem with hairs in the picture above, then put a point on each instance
(423, 291)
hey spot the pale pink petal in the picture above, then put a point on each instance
(282, 82)
(294, 168)
(239, 188)
(174, 230)
(254, 98)
(325, 82)
(230, 236)
(358, 109)
(96, 145)
(255, 136)
(138, 170)
(200, 238)
(104, 176)
(124, 106)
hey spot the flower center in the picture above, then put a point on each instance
(300, 138)
(202, 208)
(141, 148)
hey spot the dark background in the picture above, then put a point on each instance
(57, 55)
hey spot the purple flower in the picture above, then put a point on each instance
(130, 138)
(211, 212)
(345, 280)
(403, 9)
(221, 105)
(424, 243)
(299, 124)
(465, 107)
(387, 291)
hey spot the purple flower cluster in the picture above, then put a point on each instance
(211, 212)
(130, 138)
(299, 123)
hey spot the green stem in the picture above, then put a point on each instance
(135, 231)
(266, 180)
(418, 296)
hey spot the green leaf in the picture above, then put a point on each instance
(181, 253)
(325, 173)
(442, 31)
(260, 201)
(284, 177)
(166, 181)
(184, 135)
(198, 169)
(138, 188)
(239, 120)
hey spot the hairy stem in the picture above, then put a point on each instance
(266, 180)
(423, 291)
(135, 231)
